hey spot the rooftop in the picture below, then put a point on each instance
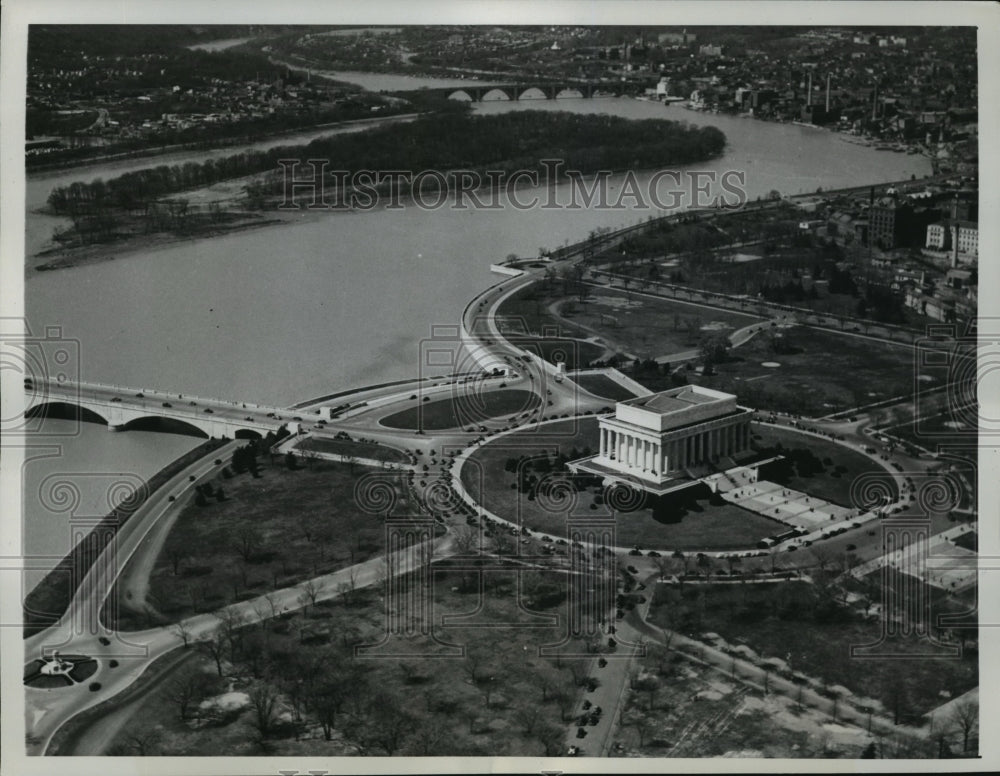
(678, 399)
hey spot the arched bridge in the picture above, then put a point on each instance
(123, 408)
(533, 91)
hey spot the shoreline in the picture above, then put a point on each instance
(99, 253)
(39, 172)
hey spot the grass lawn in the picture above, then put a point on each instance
(789, 621)
(602, 385)
(271, 531)
(826, 483)
(500, 698)
(356, 449)
(463, 411)
(648, 327)
(624, 321)
(686, 522)
(943, 430)
(819, 372)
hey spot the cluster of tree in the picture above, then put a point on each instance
(245, 460)
(205, 491)
(447, 141)
(791, 291)
(842, 281)
(881, 304)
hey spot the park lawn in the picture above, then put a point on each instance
(937, 431)
(272, 531)
(345, 447)
(831, 486)
(820, 372)
(463, 411)
(501, 698)
(701, 526)
(604, 386)
(779, 620)
(649, 327)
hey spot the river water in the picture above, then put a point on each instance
(339, 300)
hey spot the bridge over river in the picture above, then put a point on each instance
(123, 408)
(535, 91)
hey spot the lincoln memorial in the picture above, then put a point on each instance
(657, 440)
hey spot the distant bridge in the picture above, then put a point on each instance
(534, 91)
(123, 408)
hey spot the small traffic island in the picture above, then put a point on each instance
(59, 671)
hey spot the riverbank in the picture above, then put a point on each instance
(97, 253)
(38, 170)
(49, 600)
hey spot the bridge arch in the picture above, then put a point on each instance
(247, 433)
(65, 411)
(461, 95)
(494, 95)
(569, 93)
(533, 93)
(164, 426)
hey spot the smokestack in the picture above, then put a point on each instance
(827, 92)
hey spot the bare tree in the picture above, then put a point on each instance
(175, 554)
(428, 738)
(311, 588)
(565, 701)
(142, 742)
(246, 541)
(215, 647)
(263, 702)
(231, 628)
(182, 631)
(964, 716)
(529, 715)
(327, 698)
(551, 737)
(186, 691)
(466, 540)
(639, 722)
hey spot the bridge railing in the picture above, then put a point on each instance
(131, 391)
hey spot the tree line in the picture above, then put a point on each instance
(449, 140)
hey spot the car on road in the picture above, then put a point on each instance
(140, 396)
(209, 410)
(167, 404)
(116, 398)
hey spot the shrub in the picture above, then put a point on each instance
(95, 686)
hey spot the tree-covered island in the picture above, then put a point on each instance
(156, 200)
